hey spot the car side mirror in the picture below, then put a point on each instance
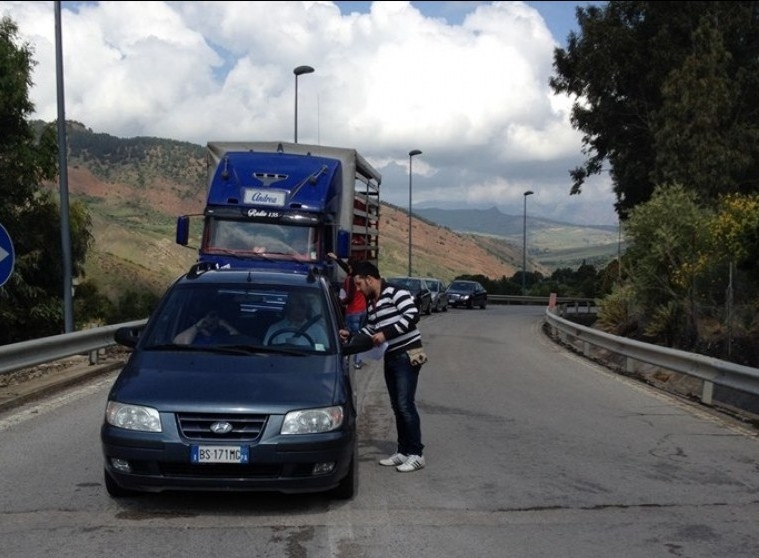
(128, 336)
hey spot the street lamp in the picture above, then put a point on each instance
(524, 242)
(300, 70)
(410, 155)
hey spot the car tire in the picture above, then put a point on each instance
(114, 489)
(484, 304)
(349, 484)
(429, 309)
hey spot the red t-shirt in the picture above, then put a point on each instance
(354, 301)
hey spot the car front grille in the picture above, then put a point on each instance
(245, 428)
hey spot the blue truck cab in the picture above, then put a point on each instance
(283, 206)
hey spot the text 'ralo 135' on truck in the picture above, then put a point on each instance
(285, 206)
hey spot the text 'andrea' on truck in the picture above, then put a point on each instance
(284, 206)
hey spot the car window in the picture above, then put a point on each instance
(249, 313)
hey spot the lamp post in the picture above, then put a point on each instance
(524, 242)
(300, 70)
(410, 155)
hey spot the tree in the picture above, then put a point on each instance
(670, 238)
(657, 85)
(31, 301)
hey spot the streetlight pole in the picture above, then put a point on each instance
(300, 70)
(524, 242)
(410, 155)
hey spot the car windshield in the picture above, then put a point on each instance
(412, 285)
(462, 287)
(219, 315)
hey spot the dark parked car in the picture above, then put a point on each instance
(439, 294)
(251, 409)
(467, 294)
(418, 288)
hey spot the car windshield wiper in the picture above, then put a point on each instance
(257, 349)
(172, 347)
(227, 349)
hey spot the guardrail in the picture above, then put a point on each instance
(38, 351)
(568, 301)
(711, 370)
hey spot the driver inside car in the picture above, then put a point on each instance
(209, 330)
(299, 326)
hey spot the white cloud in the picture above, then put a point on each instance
(472, 95)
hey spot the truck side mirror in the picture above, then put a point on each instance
(343, 244)
(183, 229)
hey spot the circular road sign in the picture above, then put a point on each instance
(7, 257)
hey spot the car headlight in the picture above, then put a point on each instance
(132, 417)
(313, 421)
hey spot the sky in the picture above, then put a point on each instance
(466, 83)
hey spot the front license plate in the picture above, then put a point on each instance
(219, 454)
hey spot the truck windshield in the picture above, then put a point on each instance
(229, 235)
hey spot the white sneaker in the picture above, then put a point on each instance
(412, 463)
(393, 460)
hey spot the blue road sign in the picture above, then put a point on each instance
(7, 257)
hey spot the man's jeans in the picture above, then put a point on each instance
(353, 323)
(401, 379)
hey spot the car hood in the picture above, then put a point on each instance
(209, 382)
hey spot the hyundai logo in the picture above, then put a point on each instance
(221, 428)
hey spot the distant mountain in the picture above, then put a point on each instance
(135, 188)
(552, 244)
(493, 222)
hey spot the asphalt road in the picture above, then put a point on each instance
(532, 452)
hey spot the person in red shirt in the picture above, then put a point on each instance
(354, 303)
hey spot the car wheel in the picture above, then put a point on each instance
(469, 304)
(484, 304)
(429, 309)
(114, 489)
(347, 487)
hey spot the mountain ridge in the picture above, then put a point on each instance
(135, 188)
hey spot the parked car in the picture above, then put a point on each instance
(439, 294)
(253, 409)
(418, 287)
(467, 294)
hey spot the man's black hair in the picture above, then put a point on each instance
(366, 269)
